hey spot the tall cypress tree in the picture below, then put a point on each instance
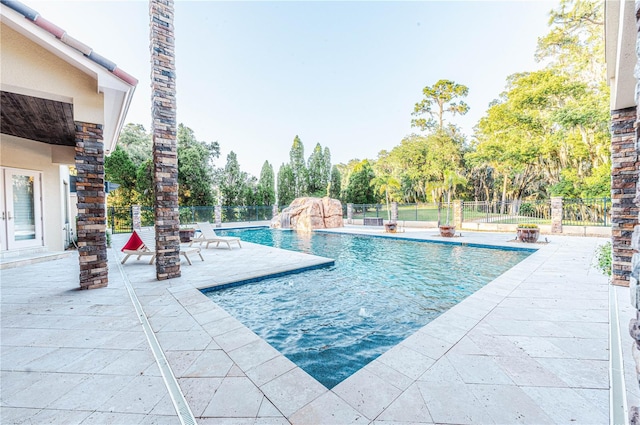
(286, 185)
(298, 168)
(266, 185)
(335, 187)
(316, 181)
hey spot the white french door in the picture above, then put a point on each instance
(20, 209)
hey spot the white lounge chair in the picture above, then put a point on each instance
(148, 238)
(208, 236)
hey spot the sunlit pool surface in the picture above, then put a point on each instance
(332, 321)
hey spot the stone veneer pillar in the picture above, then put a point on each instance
(624, 177)
(136, 218)
(634, 325)
(165, 154)
(92, 211)
(274, 211)
(458, 216)
(217, 211)
(556, 214)
(350, 213)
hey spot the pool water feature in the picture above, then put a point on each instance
(333, 321)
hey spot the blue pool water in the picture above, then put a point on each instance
(332, 321)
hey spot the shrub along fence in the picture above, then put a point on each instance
(573, 212)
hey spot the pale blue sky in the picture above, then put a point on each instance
(253, 75)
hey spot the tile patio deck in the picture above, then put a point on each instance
(530, 347)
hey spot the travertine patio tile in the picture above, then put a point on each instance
(579, 373)
(110, 418)
(390, 375)
(140, 395)
(493, 345)
(179, 323)
(292, 390)
(181, 360)
(198, 392)
(133, 363)
(17, 416)
(164, 407)
(479, 370)
(253, 354)
(583, 348)
(51, 416)
(444, 401)
(93, 391)
(367, 393)
(190, 340)
(237, 338)
(268, 410)
(408, 407)
(160, 420)
(328, 409)
(93, 361)
(269, 370)
(442, 371)
(236, 371)
(406, 361)
(566, 405)
(222, 326)
(212, 315)
(48, 388)
(16, 358)
(516, 407)
(209, 364)
(598, 399)
(235, 398)
(426, 344)
(526, 371)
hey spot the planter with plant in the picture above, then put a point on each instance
(451, 182)
(528, 233)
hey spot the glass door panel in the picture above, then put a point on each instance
(22, 208)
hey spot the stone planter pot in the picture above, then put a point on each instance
(447, 231)
(390, 227)
(528, 235)
(186, 235)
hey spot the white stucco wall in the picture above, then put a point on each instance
(29, 69)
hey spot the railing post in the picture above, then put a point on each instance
(350, 213)
(556, 214)
(218, 214)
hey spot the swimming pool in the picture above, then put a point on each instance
(332, 321)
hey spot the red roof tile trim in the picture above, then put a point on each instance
(62, 35)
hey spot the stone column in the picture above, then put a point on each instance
(556, 214)
(634, 278)
(624, 177)
(274, 211)
(457, 214)
(163, 129)
(136, 219)
(217, 210)
(350, 213)
(92, 211)
(394, 211)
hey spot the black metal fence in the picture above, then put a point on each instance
(575, 212)
(509, 212)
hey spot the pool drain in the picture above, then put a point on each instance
(179, 402)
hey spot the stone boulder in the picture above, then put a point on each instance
(310, 213)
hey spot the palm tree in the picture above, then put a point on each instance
(386, 183)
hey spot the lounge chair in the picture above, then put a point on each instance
(148, 247)
(208, 236)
